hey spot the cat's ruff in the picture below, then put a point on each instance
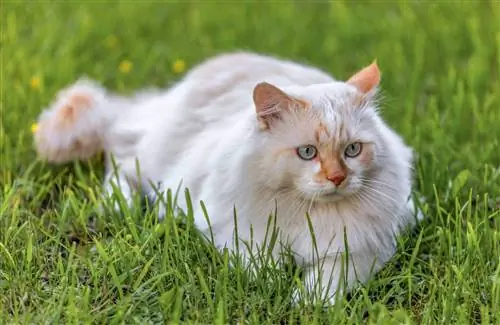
(257, 133)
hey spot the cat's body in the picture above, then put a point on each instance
(204, 132)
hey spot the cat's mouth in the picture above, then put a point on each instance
(330, 196)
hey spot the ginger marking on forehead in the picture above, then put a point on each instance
(321, 132)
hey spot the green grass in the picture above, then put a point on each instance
(441, 66)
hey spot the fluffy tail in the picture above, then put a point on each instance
(74, 125)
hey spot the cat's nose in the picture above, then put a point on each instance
(336, 179)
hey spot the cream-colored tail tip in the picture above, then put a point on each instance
(57, 145)
(70, 128)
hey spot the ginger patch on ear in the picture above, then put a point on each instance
(270, 102)
(366, 79)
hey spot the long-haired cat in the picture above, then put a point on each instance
(260, 136)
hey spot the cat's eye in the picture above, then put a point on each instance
(307, 152)
(353, 150)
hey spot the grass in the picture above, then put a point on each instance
(441, 65)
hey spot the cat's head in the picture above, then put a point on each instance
(321, 140)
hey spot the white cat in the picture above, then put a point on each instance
(264, 136)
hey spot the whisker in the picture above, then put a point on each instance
(374, 181)
(372, 191)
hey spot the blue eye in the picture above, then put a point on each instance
(353, 150)
(307, 152)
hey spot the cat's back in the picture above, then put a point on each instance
(223, 85)
(247, 67)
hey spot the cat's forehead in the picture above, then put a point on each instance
(333, 90)
(333, 102)
(329, 99)
(332, 97)
(332, 118)
(335, 109)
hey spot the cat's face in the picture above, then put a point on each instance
(326, 151)
(325, 145)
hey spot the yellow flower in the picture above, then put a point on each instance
(125, 66)
(111, 41)
(34, 127)
(35, 82)
(179, 66)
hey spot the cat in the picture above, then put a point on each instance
(260, 136)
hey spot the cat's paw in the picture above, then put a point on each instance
(162, 212)
(69, 128)
(311, 298)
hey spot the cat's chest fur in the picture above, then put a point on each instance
(365, 229)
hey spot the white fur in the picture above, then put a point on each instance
(204, 132)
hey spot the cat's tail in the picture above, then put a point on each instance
(74, 125)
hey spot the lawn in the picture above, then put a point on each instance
(59, 263)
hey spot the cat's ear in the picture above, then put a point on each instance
(270, 102)
(367, 79)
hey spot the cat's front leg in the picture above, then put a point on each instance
(165, 199)
(331, 276)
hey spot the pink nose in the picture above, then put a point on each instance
(336, 179)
